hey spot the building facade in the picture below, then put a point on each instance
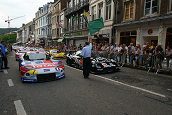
(103, 9)
(141, 21)
(42, 24)
(49, 24)
(76, 29)
(58, 21)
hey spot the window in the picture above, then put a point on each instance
(93, 12)
(69, 4)
(100, 9)
(108, 9)
(68, 23)
(74, 3)
(129, 10)
(170, 5)
(151, 6)
(58, 19)
(80, 21)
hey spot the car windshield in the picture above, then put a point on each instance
(39, 56)
(53, 51)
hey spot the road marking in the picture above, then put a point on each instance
(169, 89)
(117, 82)
(10, 82)
(19, 108)
(5, 71)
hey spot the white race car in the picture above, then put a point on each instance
(37, 67)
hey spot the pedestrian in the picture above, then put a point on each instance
(0, 60)
(168, 54)
(159, 57)
(86, 54)
(4, 57)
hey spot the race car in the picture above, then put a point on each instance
(103, 65)
(20, 53)
(71, 58)
(59, 55)
(98, 64)
(37, 67)
(52, 52)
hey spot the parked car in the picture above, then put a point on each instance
(58, 55)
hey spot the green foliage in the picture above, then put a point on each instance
(4, 31)
(8, 38)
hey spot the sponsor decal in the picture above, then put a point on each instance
(46, 70)
(111, 64)
(32, 71)
(104, 64)
(44, 66)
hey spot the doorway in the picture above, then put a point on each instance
(151, 39)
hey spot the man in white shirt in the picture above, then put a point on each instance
(86, 54)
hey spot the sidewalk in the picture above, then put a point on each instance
(162, 72)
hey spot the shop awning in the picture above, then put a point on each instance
(61, 40)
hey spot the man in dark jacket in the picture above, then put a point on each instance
(4, 57)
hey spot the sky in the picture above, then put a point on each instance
(17, 8)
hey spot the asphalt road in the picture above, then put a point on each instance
(128, 92)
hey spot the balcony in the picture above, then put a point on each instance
(77, 27)
(56, 10)
(77, 7)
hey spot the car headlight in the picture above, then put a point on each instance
(29, 68)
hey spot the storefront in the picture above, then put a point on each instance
(105, 35)
(76, 38)
(101, 38)
(128, 37)
(169, 37)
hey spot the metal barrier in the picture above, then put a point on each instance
(148, 62)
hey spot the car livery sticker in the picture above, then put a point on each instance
(32, 71)
(39, 66)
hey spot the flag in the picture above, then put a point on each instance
(95, 25)
(65, 35)
(59, 25)
(74, 18)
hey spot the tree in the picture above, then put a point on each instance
(8, 38)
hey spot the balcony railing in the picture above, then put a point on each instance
(76, 27)
(77, 7)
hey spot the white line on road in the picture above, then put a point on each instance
(10, 82)
(117, 82)
(169, 89)
(5, 71)
(19, 108)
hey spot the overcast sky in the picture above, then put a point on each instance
(17, 8)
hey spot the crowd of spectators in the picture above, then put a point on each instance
(148, 55)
